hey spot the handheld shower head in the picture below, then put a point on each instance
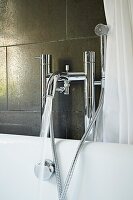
(101, 29)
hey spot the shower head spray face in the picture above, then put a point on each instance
(101, 29)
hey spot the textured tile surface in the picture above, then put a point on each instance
(28, 21)
(20, 123)
(24, 77)
(76, 49)
(3, 83)
(59, 52)
(60, 124)
(75, 127)
(71, 52)
(83, 16)
(68, 125)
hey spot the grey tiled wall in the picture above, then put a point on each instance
(28, 28)
(3, 79)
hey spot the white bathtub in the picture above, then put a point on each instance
(103, 171)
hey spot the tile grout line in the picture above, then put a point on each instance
(52, 41)
(66, 20)
(18, 111)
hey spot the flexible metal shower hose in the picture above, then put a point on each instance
(51, 88)
(57, 168)
(86, 134)
(63, 191)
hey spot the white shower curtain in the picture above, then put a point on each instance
(118, 102)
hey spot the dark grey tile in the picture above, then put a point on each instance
(3, 84)
(59, 52)
(75, 125)
(83, 16)
(76, 49)
(24, 72)
(31, 21)
(97, 95)
(60, 124)
(20, 123)
(62, 103)
(77, 96)
(15, 129)
(24, 91)
(72, 102)
(71, 52)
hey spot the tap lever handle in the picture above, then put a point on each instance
(67, 68)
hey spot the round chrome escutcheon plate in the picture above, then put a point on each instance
(44, 170)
